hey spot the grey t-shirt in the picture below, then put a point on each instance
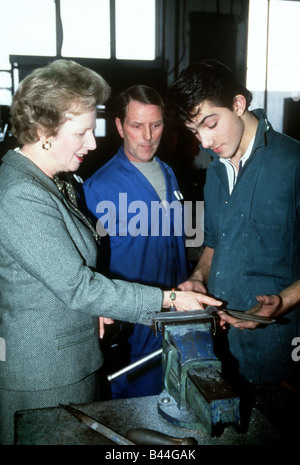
(153, 172)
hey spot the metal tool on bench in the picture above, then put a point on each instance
(134, 436)
(96, 426)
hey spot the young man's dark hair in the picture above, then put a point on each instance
(204, 80)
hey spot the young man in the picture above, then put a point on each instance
(124, 195)
(251, 251)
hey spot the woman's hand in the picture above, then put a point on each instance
(189, 300)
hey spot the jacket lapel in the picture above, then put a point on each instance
(24, 164)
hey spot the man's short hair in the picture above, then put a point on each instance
(140, 93)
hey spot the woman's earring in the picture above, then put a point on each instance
(46, 145)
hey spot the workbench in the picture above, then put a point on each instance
(273, 417)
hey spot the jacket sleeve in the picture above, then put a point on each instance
(34, 232)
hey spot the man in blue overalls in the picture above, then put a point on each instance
(145, 244)
(251, 258)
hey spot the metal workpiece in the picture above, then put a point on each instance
(210, 313)
(245, 316)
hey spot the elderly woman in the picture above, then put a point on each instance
(51, 294)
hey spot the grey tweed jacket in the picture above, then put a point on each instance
(50, 294)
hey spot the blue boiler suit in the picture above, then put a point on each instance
(255, 234)
(152, 258)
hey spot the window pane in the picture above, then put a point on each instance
(86, 28)
(5, 99)
(100, 130)
(284, 40)
(27, 27)
(135, 29)
(257, 45)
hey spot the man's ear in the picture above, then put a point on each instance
(119, 127)
(239, 105)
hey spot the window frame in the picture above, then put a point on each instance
(24, 64)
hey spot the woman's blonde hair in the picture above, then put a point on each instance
(44, 97)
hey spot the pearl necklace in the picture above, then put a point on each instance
(18, 150)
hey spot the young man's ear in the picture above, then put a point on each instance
(119, 127)
(239, 105)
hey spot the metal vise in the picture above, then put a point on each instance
(195, 395)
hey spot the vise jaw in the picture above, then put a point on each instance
(195, 395)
